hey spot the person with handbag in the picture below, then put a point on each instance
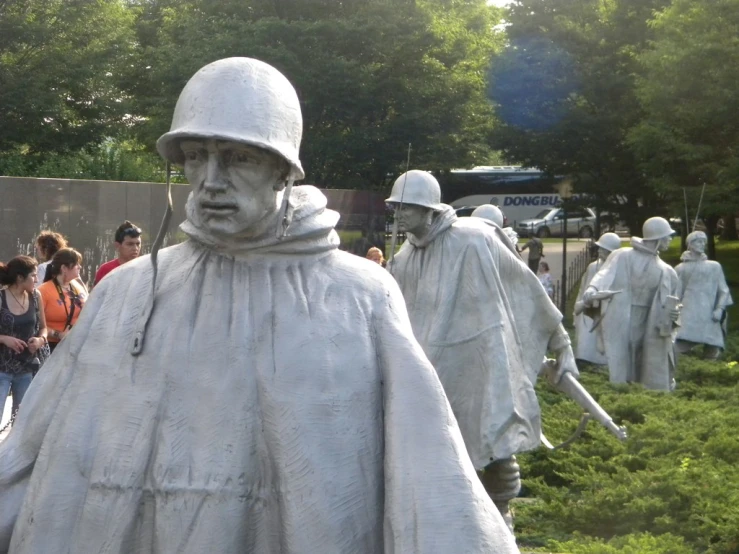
(63, 297)
(23, 342)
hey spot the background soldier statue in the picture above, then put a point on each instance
(635, 304)
(277, 400)
(492, 213)
(587, 348)
(484, 321)
(705, 297)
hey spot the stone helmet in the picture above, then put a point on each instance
(695, 235)
(609, 241)
(489, 212)
(242, 100)
(656, 228)
(416, 187)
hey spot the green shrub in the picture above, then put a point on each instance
(671, 487)
(633, 544)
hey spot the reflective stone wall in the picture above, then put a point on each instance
(88, 213)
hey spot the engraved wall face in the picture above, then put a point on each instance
(87, 213)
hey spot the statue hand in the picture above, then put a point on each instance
(675, 314)
(599, 295)
(565, 363)
(718, 314)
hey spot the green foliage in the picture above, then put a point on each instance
(689, 92)
(673, 486)
(59, 66)
(111, 160)
(372, 77)
(564, 90)
(633, 544)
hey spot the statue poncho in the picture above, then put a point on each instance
(280, 405)
(636, 333)
(704, 289)
(484, 321)
(587, 348)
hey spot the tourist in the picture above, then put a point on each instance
(22, 329)
(127, 242)
(48, 243)
(63, 298)
(536, 252)
(375, 254)
(545, 278)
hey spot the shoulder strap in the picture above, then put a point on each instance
(72, 305)
(38, 314)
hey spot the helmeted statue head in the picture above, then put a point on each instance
(236, 129)
(696, 242)
(415, 195)
(607, 243)
(241, 100)
(658, 229)
(489, 212)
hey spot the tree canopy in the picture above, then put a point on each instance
(689, 136)
(634, 98)
(564, 90)
(59, 69)
(372, 75)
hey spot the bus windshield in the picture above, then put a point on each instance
(494, 181)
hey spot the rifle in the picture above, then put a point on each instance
(394, 237)
(575, 391)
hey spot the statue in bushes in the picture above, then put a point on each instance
(633, 300)
(704, 297)
(484, 321)
(587, 348)
(251, 390)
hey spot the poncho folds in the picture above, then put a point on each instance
(587, 348)
(484, 321)
(704, 290)
(637, 347)
(280, 405)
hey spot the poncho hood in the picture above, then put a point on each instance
(311, 229)
(638, 244)
(442, 221)
(690, 256)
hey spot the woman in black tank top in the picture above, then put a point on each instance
(22, 328)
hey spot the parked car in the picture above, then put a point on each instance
(550, 223)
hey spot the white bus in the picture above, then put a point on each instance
(522, 193)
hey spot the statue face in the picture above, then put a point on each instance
(235, 186)
(697, 245)
(413, 219)
(663, 244)
(603, 253)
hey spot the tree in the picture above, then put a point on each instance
(564, 90)
(690, 134)
(372, 75)
(59, 63)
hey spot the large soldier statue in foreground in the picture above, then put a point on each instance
(277, 401)
(484, 321)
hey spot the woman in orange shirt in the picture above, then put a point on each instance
(63, 298)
